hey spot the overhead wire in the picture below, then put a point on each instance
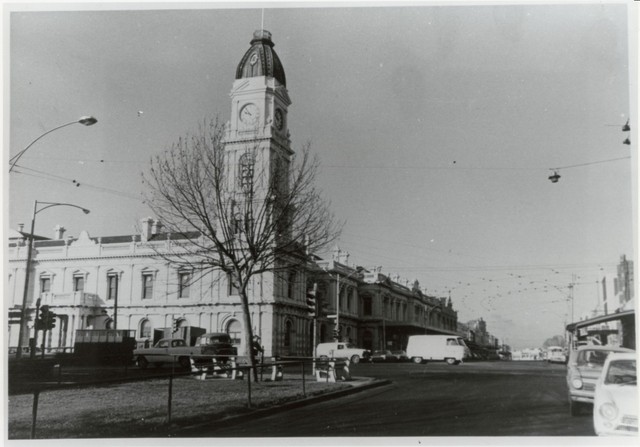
(60, 179)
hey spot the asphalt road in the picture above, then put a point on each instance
(435, 399)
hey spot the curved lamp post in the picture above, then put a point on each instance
(85, 120)
(23, 313)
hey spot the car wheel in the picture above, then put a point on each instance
(355, 359)
(451, 361)
(143, 362)
(574, 408)
(417, 359)
(184, 362)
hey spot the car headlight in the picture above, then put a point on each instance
(608, 411)
(576, 383)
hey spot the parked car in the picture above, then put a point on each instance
(583, 369)
(342, 350)
(382, 356)
(449, 348)
(401, 356)
(169, 350)
(615, 408)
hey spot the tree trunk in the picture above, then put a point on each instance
(248, 333)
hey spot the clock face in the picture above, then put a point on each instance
(279, 119)
(249, 114)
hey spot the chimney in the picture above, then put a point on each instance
(146, 224)
(20, 227)
(156, 227)
(58, 232)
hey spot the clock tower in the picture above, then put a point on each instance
(259, 110)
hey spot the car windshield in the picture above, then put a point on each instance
(349, 346)
(592, 358)
(621, 372)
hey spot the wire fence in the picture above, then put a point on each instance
(201, 367)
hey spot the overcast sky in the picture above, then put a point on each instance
(436, 127)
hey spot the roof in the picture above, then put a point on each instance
(603, 348)
(261, 59)
(602, 319)
(43, 242)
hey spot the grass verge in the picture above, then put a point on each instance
(139, 409)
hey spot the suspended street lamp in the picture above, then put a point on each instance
(554, 177)
(84, 120)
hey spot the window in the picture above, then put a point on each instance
(78, 283)
(145, 329)
(45, 284)
(288, 329)
(232, 279)
(245, 175)
(291, 282)
(112, 287)
(147, 286)
(366, 306)
(184, 280)
(234, 329)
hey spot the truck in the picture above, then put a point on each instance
(341, 350)
(214, 347)
(448, 348)
(104, 346)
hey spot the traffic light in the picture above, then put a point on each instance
(175, 326)
(311, 301)
(336, 333)
(47, 320)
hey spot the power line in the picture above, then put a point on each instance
(49, 176)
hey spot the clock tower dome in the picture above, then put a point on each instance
(259, 108)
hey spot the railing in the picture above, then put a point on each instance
(231, 369)
(69, 299)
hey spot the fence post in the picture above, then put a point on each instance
(170, 394)
(36, 395)
(249, 387)
(304, 390)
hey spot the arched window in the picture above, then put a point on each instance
(288, 330)
(245, 174)
(145, 329)
(234, 329)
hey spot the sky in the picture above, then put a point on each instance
(437, 128)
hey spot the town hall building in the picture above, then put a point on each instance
(121, 282)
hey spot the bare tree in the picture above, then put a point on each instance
(238, 211)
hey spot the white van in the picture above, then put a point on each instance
(449, 348)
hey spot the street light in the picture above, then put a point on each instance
(28, 268)
(84, 120)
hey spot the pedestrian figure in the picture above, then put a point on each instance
(256, 347)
